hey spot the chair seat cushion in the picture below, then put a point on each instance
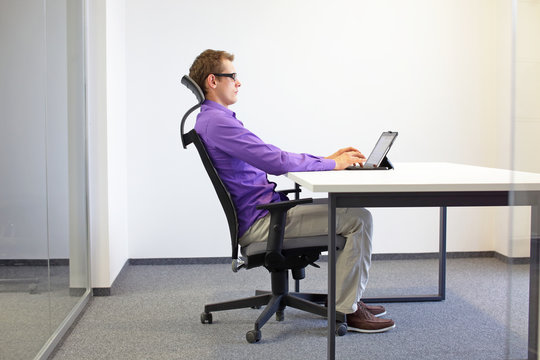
(320, 241)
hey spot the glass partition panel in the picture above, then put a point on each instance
(43, 229)
(524, 119)
(24, 270)
(66, 162)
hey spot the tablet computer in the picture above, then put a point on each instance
(378, 154)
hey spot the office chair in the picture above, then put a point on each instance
(276, 254)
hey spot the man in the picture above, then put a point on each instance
(243, 161)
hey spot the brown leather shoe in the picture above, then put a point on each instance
(365, 322)
(377, 310)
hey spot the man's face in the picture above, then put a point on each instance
(225, 91)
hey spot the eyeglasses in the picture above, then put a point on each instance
(231, 75)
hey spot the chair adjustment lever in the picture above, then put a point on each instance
(238, 264)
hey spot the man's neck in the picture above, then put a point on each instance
(215, 99)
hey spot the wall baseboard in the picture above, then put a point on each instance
(227, 260)
(434, 255)
(108, 291)
(454, 255)
(34, 262)
(512, 260)
(101, 291)
(181, 261)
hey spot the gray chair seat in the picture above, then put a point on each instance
(294, 243)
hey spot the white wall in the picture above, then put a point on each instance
(117, 133)
(107, 139)
(314, 78)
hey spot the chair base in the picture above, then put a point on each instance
(275, 304)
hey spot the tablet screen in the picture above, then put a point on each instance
(381, 148)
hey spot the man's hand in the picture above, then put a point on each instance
(347, 157)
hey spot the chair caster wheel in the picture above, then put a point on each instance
(256, 307)
(280, 315)
(341, 329)
(253, 336)
(206, 318)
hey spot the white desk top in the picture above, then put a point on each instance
(418, 177)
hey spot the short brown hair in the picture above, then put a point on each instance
(208, 62)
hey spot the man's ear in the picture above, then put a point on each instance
(211, 82)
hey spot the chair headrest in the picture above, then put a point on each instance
(195, 89)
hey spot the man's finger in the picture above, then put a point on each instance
(357, 154)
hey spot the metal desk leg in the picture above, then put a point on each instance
(442, 253)
(442, 272)
(533, 285)
(331, 347)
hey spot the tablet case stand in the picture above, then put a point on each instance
(385, 163)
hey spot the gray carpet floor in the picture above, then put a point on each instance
(30, 311)
(154, 314)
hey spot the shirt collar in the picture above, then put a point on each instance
(215, 105)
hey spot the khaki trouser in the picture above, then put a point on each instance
(352, 262)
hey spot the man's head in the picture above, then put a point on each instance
(214, 72)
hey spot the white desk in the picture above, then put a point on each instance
(429, 185)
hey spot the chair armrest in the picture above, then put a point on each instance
(288, 191)
(276, 231)
(282, 206)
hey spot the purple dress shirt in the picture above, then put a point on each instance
(242, 160)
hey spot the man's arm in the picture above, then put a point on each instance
(228, 135)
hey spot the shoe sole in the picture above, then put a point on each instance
(376, 315)
(349, 328)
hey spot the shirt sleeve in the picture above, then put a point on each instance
(231, 137)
